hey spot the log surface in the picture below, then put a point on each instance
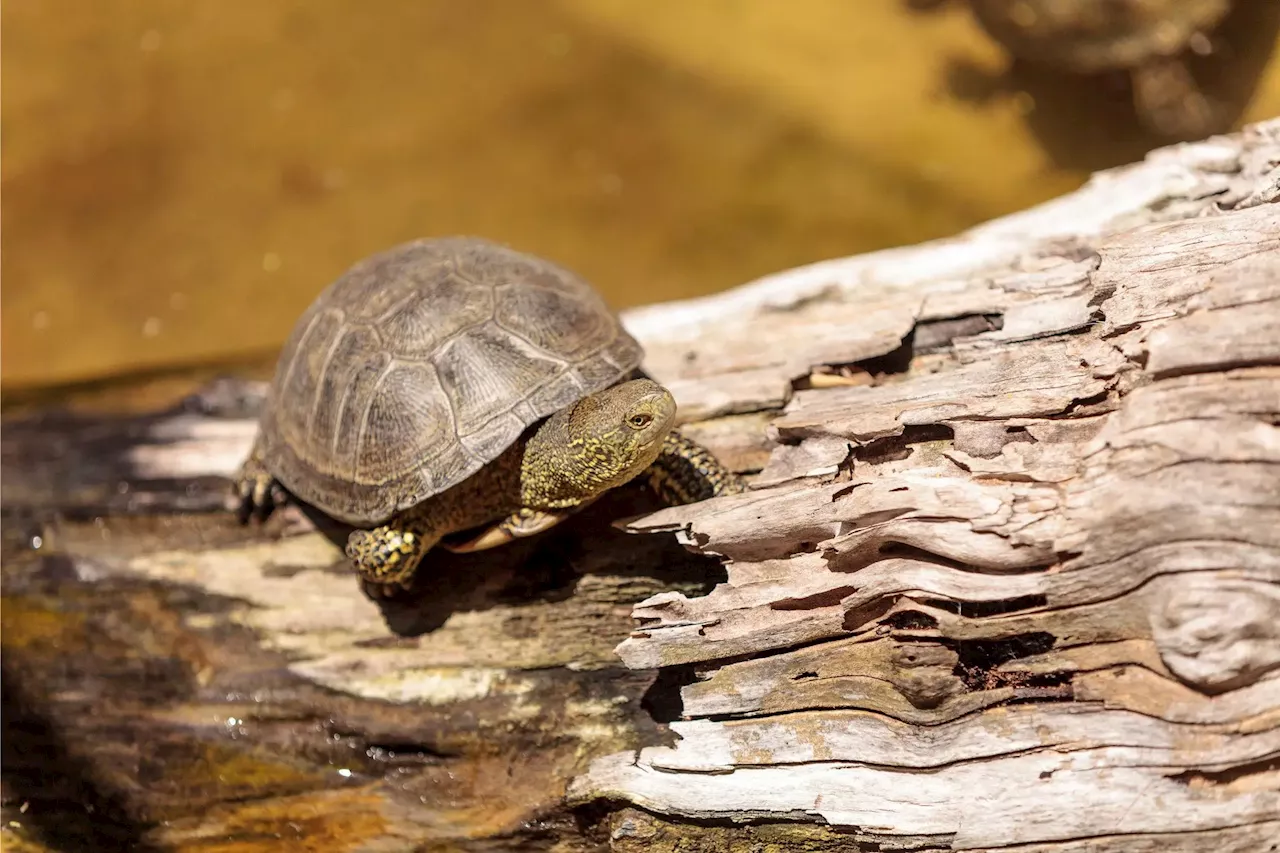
(1008, 574)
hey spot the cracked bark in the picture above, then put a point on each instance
(1009, 574)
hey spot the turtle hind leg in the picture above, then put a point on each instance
(686, 472)
(255, 491)
(388, 556)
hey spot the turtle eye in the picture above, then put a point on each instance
(640, 421)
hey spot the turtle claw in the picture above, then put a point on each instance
(256, 492)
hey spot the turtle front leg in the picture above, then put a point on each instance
(685, 472)
(387, 557)
(256, 492)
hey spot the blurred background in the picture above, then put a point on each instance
(181, 177)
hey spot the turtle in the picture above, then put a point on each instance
(1147, 39)
(454, 391)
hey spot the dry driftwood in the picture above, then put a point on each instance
(1008, 578)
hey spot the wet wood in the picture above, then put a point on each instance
(1009, 574)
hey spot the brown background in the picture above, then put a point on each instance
(180, 178)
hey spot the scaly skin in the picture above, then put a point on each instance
(601, 442)
(685, 472)
(387, 556)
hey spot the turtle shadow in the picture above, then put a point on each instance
(1089, 122)
(66, 802)
(541, 569)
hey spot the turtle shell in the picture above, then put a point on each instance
(423, 363)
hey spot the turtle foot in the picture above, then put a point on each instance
(386, 557)
(256, 493)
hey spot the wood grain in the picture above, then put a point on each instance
(1008, 578)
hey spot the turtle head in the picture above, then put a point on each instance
(602, 441)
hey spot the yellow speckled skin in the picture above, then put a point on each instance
(602, 441)
(387, 556)
(686, 472)
(450, 384)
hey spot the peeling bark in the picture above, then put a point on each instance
(1009, 574)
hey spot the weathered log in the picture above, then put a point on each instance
(1008, 576)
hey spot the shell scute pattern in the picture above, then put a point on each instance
(375, 288)
(347, 439)
(617, 359)
(553, 320)
(485, 371)
(435, 312)
(405, 427)
(423, 363)
(353, 348)
(299, 377)
(569, 384)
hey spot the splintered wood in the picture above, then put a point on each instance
(1023, 588)
(1008, 577)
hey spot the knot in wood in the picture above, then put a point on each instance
(1217, 633)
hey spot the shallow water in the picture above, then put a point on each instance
(179, 180)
